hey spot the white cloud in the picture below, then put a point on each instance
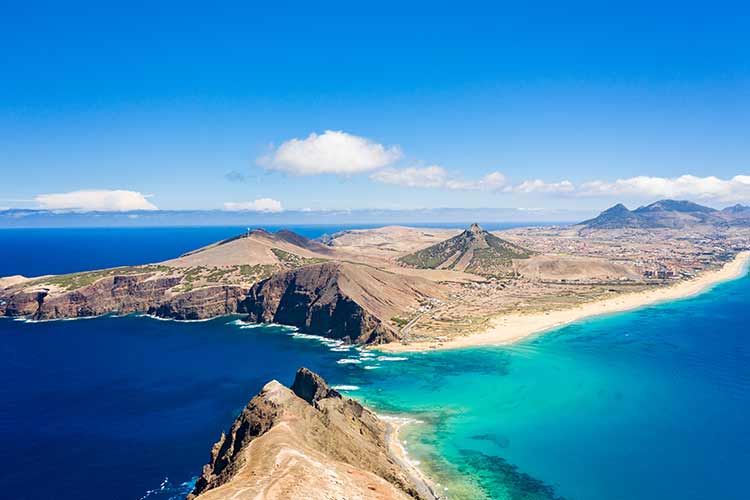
(428, 177)
(105, 200)
(736, 189)
(539, 186)
(333, 152)
(436, 177)
(267, 205)
(686, 186)
(490, 182)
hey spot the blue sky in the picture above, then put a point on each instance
(552, 106)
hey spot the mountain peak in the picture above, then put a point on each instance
(684, 206)
(662, 213)
(617, 208)
(473, 250)
(736, 209)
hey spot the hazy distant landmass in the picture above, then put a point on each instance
(669, 214)
(143, 218)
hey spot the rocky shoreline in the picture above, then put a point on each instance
(312, 298)
(308, 441)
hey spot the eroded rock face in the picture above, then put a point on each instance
(124, 295)
(307, 442)
(203, 303)
(118, 294)
(312, 298)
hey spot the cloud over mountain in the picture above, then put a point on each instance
(685, 186)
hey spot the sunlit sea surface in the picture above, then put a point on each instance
(651, 404)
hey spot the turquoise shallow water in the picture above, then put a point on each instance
(650, 404)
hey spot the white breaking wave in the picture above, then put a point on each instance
(392, 358)
(250, 326)
(346, 387)
(158, 318)
(348, 361)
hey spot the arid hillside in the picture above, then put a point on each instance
(308, 442)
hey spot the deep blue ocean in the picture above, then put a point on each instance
(650, 404)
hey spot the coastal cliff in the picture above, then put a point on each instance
(341, 300)
(338, 300)
(122, 294)
(307, 442)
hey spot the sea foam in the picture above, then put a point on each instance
(346, 387)
(348, 361)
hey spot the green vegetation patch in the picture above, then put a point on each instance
(294, 261)
(74, 281)
(399, 321)
(258, 272)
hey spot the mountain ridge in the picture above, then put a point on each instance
(668, 213)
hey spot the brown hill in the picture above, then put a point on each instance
(474, 250)
(257, 247)
(310, 443)
(342, 300)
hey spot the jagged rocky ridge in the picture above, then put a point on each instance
(307, 442)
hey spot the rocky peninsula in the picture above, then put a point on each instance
(308, 442)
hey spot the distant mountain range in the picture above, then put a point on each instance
(669, 214)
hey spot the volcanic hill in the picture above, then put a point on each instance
(474, 250)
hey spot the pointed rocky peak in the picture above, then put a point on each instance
(617, 209)
(617, 216)
(311, 387)
(475, 229)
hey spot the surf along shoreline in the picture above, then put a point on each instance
(510, 328)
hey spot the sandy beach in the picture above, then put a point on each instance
(513, 327)
(401, 457)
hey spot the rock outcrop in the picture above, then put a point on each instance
(310, 443)
(339, 300)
